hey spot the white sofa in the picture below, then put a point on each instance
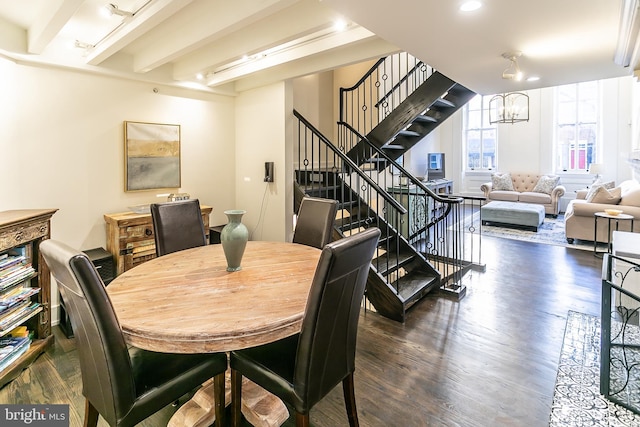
(579, 215)
(525, 188)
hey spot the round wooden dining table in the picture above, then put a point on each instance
(187, 302)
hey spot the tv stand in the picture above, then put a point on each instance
(440, 186)
(413, 199)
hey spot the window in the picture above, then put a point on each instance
(576, 133)
(481, 137)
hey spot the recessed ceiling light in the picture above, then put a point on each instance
(340, 25)
(533, 79)
(471, 5)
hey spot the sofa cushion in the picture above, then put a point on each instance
(506, 196)
(631, 197)
(605, 196)
(546, 184)
(533, 197)
(501, 182)
(583, 208)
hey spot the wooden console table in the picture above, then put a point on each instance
(130, 237)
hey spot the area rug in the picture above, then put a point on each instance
(577, 400)
(551, 232)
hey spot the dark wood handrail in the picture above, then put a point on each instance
(383, 193)
(365, 77)
(358, 83)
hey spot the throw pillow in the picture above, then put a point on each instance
(605, 196)
(501, 182)
(598, 184)
(546, 184)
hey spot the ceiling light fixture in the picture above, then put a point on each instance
(512, 72)
(340, 25)
(113, 9)
(83, 45)
(510, 107)
(86, 47)
(470, 6)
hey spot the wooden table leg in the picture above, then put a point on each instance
(259, 407)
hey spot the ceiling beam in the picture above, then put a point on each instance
(331, 41)
(133, 27)
(372, 48)
(49, 23)
(172, 41)
(297, 21)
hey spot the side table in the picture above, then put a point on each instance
(609, 218)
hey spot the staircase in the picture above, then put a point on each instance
(434, 99)
(411, 261)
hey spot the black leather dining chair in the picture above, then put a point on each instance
(314, 225)
(303, 368)
(123, 384)
(177, 226)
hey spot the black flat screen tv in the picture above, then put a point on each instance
(435, 166)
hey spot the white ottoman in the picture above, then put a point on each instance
(521, 215)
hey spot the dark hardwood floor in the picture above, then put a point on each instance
(488, 360)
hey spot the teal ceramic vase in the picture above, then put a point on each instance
(234, 238)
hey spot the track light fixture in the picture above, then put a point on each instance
(83, 45)
(512, 72)
(113, 9)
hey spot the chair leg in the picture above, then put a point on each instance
(236, 398)
(350, 400)
(302, 420)
(219, 399)
(90, 414)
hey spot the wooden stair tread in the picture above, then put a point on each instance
(425, 119)
(388, 264)
(413, 285)
(409, 133)
(441, 102)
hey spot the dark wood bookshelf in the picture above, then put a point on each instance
(26, 229)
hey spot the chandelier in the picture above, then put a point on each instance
(509, 107)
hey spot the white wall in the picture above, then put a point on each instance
(62, 146)
(261, 136)
(313, 98)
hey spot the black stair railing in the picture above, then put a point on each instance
(324, 170)
(385, 85)
(434, 224)
(620, 331)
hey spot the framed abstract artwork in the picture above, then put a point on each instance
(152, 156)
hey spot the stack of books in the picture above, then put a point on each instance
(11, 348)
(19, 314)
(16, 304)
(14, 269)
